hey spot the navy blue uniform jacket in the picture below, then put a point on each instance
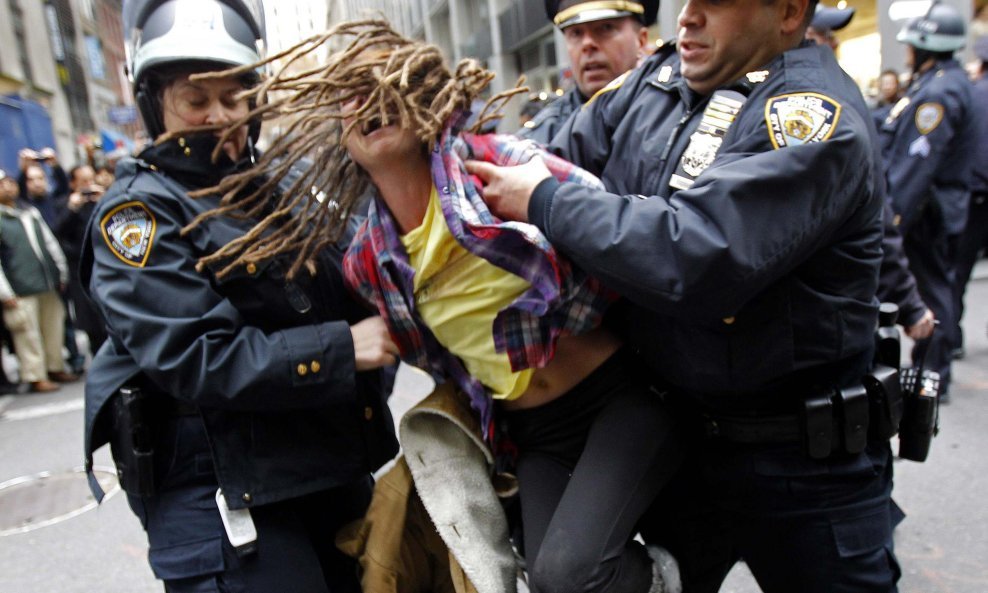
(268, 361)
(760, 278)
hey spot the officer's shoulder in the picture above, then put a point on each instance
(547, 113)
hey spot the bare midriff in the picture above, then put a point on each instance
(575, 358)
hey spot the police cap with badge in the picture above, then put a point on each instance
(565, 13)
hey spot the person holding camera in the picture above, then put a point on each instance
(70, 228)
(35, 188)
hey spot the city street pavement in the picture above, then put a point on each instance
(942, 545)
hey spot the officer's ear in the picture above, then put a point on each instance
(642, 36)
(796, 15)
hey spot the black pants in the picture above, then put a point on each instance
(974, 239)
(590, 463)
(189, 549)
(931, 260)
(801, 525)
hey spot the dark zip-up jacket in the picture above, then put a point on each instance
(269, 362)
(757, 280)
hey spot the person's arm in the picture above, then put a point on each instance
(748, 220)
(52, 246)
(194, 344)
(896, 283)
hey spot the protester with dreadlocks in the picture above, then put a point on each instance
(242, 408)
(485, 306)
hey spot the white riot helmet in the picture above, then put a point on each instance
(218, 33)
(940, 30)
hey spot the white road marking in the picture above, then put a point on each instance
(42, 410)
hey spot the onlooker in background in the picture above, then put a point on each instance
(34, 185)
(32, 270)
(825, 21)
(8, 193)
(975, 236)
(889, 93)
(928, 143)
(104, 176)
(70, 228)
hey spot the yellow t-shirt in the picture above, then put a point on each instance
(458, 294)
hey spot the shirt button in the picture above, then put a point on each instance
(302, 369)
(247, 497)
(896, 220)
(251, 268)
(368, 413)
(315, 366)
(728, 320)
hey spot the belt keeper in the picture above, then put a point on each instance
(818, 415)
(854, 416)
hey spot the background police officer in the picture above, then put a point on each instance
(603, 40)
(241, 425)
(975, 237)
(743, 224)
(825, 21)
(928, 142)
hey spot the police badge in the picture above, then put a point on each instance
(704, 143)
(801, 118)
(128, 231)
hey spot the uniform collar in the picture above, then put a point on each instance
(187, 160)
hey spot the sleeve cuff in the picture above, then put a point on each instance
(540, 204)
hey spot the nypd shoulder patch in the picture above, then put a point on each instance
(801, 118)
(928, 117)
(129, 231)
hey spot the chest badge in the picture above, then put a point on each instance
(718, 116)
(897, 110)
(129, 231)
(801, 118)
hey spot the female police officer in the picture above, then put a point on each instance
(247, 388)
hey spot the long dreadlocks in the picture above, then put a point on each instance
(400, 81)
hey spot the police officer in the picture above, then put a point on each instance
(239, 412)
(975, 237)
(928, 141)
(743, 225)
(603, 40)
(825, 21)
(896, 283)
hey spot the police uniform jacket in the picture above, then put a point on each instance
(268, 362)
(979, 97)
(757, 275)
(928, 146)
(551, 118)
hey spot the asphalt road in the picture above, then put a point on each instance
(942, 545)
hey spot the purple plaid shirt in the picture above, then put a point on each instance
(562, 299)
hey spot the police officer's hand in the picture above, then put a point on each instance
(923, 328)
(372, 344)
(507, 190)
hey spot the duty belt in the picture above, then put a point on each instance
(827, 422)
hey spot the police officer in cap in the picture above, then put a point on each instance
(928, 143)
(604, 39)
(743, 224)
(243, 408)
(825, 21)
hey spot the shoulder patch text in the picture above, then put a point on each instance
(801, 118)
(129, 231)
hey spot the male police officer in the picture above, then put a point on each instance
(928, 142)
(744, 227)
(825, 21)
(604, 40)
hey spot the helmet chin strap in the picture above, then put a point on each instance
(150, 108)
